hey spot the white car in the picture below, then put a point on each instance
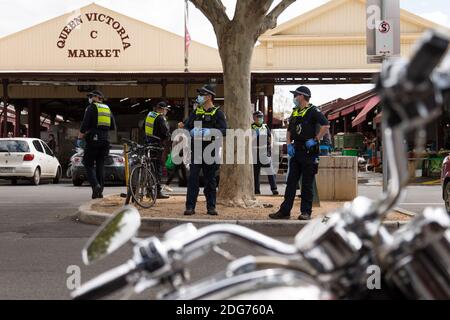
(28, 158)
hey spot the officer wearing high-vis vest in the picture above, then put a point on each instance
(209, 117)
(94, 139)
(262, 151)
(303, 148)
(157, 132)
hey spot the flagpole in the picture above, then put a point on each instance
(187, 40)
(186, 37)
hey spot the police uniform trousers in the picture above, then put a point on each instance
(209, 175)
(94, 161)
(301, 165)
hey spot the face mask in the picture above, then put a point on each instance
(296, 103)
(201, 100)
(260, 121)
(91, 100)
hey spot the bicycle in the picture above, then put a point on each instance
(142, 181)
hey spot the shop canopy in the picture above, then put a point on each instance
(351, 105)
(361, 117)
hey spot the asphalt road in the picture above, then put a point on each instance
(40, 238)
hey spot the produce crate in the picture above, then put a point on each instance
(350, 152)
(348, 141)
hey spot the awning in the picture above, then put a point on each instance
(361, 117)
(349, 108)
(378, 118)
(333, 116)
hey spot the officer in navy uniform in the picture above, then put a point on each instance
(262, 151)
(210, 117)
(303, 148)
(157, 132)
(94, 139)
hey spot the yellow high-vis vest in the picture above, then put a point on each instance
(301, 112)
(149, 123)
(104, 115)
(200, 111)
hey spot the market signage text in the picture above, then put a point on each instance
(94, 53)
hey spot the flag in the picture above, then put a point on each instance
(187, 37)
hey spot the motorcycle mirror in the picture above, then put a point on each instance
(113, 234)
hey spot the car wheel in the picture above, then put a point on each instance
(58, 176)
(13, 182)
(77, 182)
(36, 177)
(447, 196)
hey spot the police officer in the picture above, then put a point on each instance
(303, 148)
(210, 117)
(157, 132)
(94, 139)
(262, 151)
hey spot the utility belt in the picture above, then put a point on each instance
(300, 146)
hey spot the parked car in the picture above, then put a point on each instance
(445, 181)
(114, 167)
(28, 158)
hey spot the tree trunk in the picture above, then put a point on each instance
(236, 180)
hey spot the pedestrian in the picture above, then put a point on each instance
(303, 148)
(157, 133)
(179, 169)
(209, 117)
(262, 152)
(94, 139)
(52, 142)
(325, 144)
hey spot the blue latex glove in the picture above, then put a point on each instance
(291, 150)
(81, 144)
(195, 132)
(310, 143)
(206, 132)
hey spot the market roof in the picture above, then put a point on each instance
(343, 107)
(94, 39)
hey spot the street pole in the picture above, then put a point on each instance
(384, 159)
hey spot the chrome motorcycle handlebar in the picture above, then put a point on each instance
(190, 242)
(412, 96)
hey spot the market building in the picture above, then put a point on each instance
(47, 69)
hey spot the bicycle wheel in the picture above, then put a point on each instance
(143, 187)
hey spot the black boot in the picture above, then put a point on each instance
(212, 212)
(304, 217)
(189, 212)
(97, 192)
(279, 216)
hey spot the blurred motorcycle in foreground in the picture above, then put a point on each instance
(331, 256)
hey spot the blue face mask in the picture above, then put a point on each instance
(201, 100)
(296, 103)
(260, 121)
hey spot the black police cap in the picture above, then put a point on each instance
(96, 93)
(304, 91)
(258, 114)
(207, 89)
(163, 105)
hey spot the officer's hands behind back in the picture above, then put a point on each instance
(80, 143)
